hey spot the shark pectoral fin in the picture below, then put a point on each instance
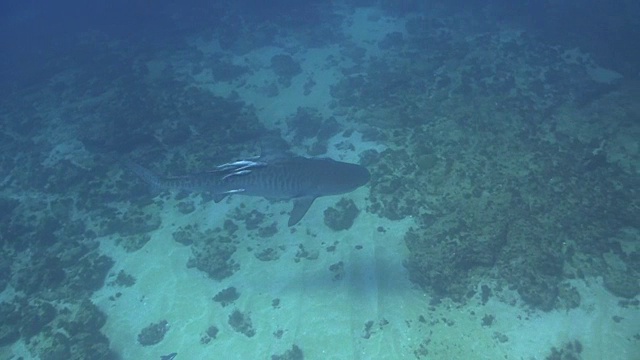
(300, 207)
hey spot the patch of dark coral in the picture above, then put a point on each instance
(210, 334)
(123, 279)
(308, 123)
(227, 296)
(337, 270)
(241, 323)
(622, 283)
(224, 70)
(571, 350)
(342, 215)
(212, 252)
(81, 336)
(64, 276)
(184, 235)
(154, 333)
(253, 219)
(445, 257)
(295, 353)
(133, 227)
(186, 207)
(268, 254)
(305, 123)
(7, 206)
(285, 67)
(9, 330)
(34, 317)
(303, 253)
(268, 231)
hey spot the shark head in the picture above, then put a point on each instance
(326, 177)
(336, 177)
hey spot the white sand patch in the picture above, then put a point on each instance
(531, 336)
(315, 309)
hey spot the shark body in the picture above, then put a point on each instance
(299, 179)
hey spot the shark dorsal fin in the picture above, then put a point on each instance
(300, 207)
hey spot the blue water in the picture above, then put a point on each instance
(501, 218)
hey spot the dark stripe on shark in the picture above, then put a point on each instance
(295, 178)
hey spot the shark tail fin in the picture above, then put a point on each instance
(156, 184)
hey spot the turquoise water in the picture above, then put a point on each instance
(500, 221)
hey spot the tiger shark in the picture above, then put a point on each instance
(296, 178)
